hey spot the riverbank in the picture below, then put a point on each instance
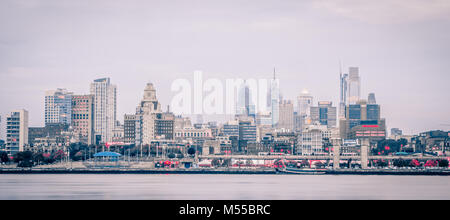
(232, 171)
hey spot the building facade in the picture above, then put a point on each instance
(83, 118)
(354, 85)
(105, 108)
(324, 113)
(58, 107)
(286, 117)
(16, 131)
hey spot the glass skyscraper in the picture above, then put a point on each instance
(354, 85)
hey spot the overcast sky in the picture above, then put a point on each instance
(402, 48)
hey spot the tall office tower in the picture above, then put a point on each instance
(245, 105)
(363, 121)
(286, 115)
(16, 131)
(275, 99)
(83, 118)
(105, 108)
(343, 94)
(324, 114)
(371, 99)
(354, 85)
(58, 107)
(147, 115)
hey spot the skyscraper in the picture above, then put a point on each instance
(354, 85)
(58, 107)
(245, 105)
(105, 108)
(371, 99)
(275, 99)
(16, 131)
(343, 94)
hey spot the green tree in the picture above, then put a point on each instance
(171, 155)
(381, 163)
(4, 157)
(226, 162)
(215, 162)
(191, 151)
(38, 158)
(24, 159)
(443, 163)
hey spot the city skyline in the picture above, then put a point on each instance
(400, 57)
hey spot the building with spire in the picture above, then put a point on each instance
(146, 112)
(149, 123)
(343, 93)
(275, 99)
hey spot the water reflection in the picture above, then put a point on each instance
(233, 187)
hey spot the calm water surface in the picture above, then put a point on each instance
(233, 187)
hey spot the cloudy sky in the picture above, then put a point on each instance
(402, 48)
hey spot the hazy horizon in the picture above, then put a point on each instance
(401, 47)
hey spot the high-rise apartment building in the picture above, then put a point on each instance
(16, 131)
(354, 85)
(105, 108)
(58, 107)
(83, 118)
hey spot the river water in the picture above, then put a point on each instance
(227, 187)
